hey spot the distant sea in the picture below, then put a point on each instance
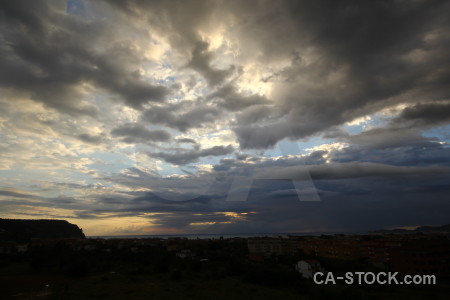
(218, 236)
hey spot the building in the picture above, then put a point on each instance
(307, 268)
(421, 257)
(271, 246)
(343, 248)
(185, 254)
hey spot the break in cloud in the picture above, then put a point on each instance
(140, 117)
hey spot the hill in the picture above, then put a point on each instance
(17, 229)
(421, 229)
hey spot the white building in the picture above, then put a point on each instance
(307, 268)
(22, 248)
(185, 253)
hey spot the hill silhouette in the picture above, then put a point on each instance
(421, 229)
(18, 229)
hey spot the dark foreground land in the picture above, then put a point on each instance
(183, 269)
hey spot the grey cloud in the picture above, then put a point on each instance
(15, 194)
(186, 140)
(394, 146)
(26, 199)
(334, 133)
(201, 62)
(425, 114)
(344, 62)
(363, 188)
(225, 164)
(47, 54)
(182, 116)
(183, 157)
(254, 114)
(180, 22)
(230, 99)
(92, 139)
(384, 138)
(333, 171)
(242, 156)
(360, 64)
(408, 162)
(359, 169)
(135, 133)
(430, 154)
(255, 136)
(344, 59)
(368, 188)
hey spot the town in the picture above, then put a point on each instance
(78, 268)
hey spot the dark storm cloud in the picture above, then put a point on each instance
(380, 203)
(360, 169)
(182, 116)
(425, 114)
(15, 194)
(388, 138)
(355, 195)
(92, 139)
(47, 54)
(392, 145)
(254, 114)
(23, 198)
(201, 62)
(324, 62)
(179, 21)
(295, 169)
(347, 58)
(135, 133)
(254, 136)
(230, 99)
(365, 56)
(183, 157)
(186, 140)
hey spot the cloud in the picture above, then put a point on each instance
(183, 157)
(230, 99)
(92, 139)
(385, 138)
(211, 81)
(52, 57)
(254, 136)
(201, 62)
(358, 170)
(295, 169)
(136, 133)
(393, 146)
(338, 61)
(182, 116)
(254, 114)
(186, 140)
(15, 194)
(346, 64)
(425, 114)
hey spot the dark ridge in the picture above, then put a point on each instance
(22, 230)
(443, 228)
(421, 229)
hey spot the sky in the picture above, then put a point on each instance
(225, 117)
